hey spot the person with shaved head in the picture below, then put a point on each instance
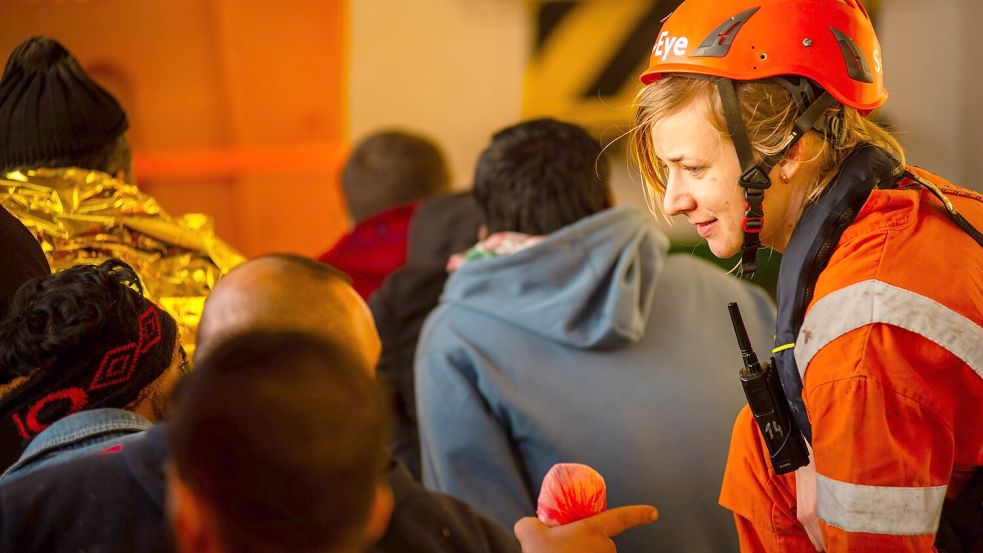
(282, 291)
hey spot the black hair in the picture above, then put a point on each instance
(281, 435)
(539, 176)
(390, 168)
(57, 315)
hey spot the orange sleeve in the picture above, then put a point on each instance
(883, 445)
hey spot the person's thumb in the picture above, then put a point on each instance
(615, 521)
(527, 527)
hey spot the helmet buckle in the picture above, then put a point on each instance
(754, 178)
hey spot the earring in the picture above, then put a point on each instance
(784, 177)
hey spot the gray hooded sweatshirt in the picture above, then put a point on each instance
(596, 347)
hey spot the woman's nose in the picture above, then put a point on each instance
(677, 198)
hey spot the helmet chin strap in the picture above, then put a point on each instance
(754, 175)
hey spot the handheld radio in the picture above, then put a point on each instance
(769, 405)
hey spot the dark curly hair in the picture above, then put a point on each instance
(53, 315)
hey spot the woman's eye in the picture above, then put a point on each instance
(695, 171)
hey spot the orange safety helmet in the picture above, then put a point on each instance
(831, 42)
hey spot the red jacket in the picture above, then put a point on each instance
(373, 249)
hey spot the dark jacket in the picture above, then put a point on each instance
(98, 504)
(442, 226)
(424, 521)
(20, 256)
(115, 502)
(21, 259)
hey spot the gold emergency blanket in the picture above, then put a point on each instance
(83, 216)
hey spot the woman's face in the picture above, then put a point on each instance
(701, 177)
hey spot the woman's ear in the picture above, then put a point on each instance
(791, 163)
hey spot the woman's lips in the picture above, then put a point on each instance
(705, 228)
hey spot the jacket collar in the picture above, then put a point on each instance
(80, 427)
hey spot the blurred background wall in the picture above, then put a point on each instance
(236, 107)
(450, 68)
(243, 109)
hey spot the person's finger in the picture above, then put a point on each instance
(615, 521)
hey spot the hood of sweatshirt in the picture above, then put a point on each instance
(588, 285)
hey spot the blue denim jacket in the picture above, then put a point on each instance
(83, 433)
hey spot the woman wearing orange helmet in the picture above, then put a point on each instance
(752, 125)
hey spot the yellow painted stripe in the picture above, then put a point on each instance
(581, 46)
(584, 43)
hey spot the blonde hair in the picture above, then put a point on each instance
(769, 112)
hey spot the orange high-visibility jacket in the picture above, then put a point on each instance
(891, 356)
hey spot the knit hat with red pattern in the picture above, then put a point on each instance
(82, 338)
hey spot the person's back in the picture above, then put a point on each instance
(66, 173)
(579, 348)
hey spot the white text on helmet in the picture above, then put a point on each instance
(666, 44)
(877, 60)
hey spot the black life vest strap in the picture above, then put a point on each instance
(812, 243)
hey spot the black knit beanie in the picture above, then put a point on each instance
(80, 339)
(50, 108)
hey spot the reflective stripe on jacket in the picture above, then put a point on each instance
(891, 353)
